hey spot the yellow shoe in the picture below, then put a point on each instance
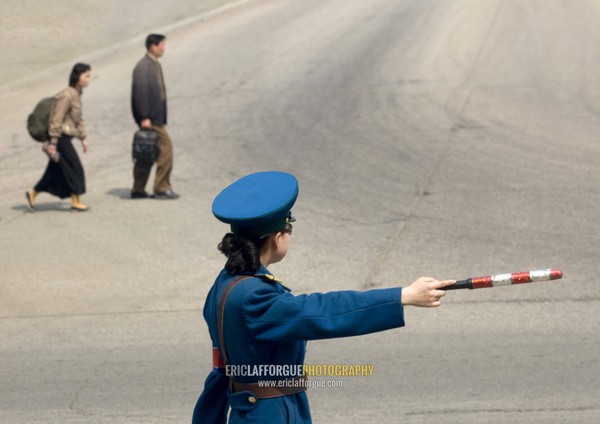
(76, 205)
(30, 196)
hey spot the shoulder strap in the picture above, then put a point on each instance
(221, 317)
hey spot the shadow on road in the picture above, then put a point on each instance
(121, 193)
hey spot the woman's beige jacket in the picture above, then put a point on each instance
(66, 115)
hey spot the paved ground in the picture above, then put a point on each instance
(39, 37)
(430, 138)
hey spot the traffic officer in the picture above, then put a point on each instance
(255, 321)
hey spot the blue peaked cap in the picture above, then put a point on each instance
(257, 204)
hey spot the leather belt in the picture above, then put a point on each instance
(263, 391)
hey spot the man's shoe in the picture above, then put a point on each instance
(139, 195)
(166, 195)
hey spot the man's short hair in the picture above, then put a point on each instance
(154, 39)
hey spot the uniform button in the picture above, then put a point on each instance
(251, 399)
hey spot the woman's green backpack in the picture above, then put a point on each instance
(38, 120)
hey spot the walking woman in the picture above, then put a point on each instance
(259, 328)
(64, 176)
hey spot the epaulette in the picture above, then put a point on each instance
(270, 279)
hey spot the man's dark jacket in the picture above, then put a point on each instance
(148, 95)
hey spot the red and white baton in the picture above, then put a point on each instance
(506, 279)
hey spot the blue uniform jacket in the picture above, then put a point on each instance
(265, 324)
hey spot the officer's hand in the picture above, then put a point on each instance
(425, 292)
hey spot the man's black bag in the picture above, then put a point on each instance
(145, 146)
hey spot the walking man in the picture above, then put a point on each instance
(149, 107)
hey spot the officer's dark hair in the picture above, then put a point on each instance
(154, 39)
(78, 69)
(243, 253)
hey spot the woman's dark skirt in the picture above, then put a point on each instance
(65, 177)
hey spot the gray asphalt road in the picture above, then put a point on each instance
(39, 36)
(451, 139)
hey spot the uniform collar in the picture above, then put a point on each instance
(266, 275)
